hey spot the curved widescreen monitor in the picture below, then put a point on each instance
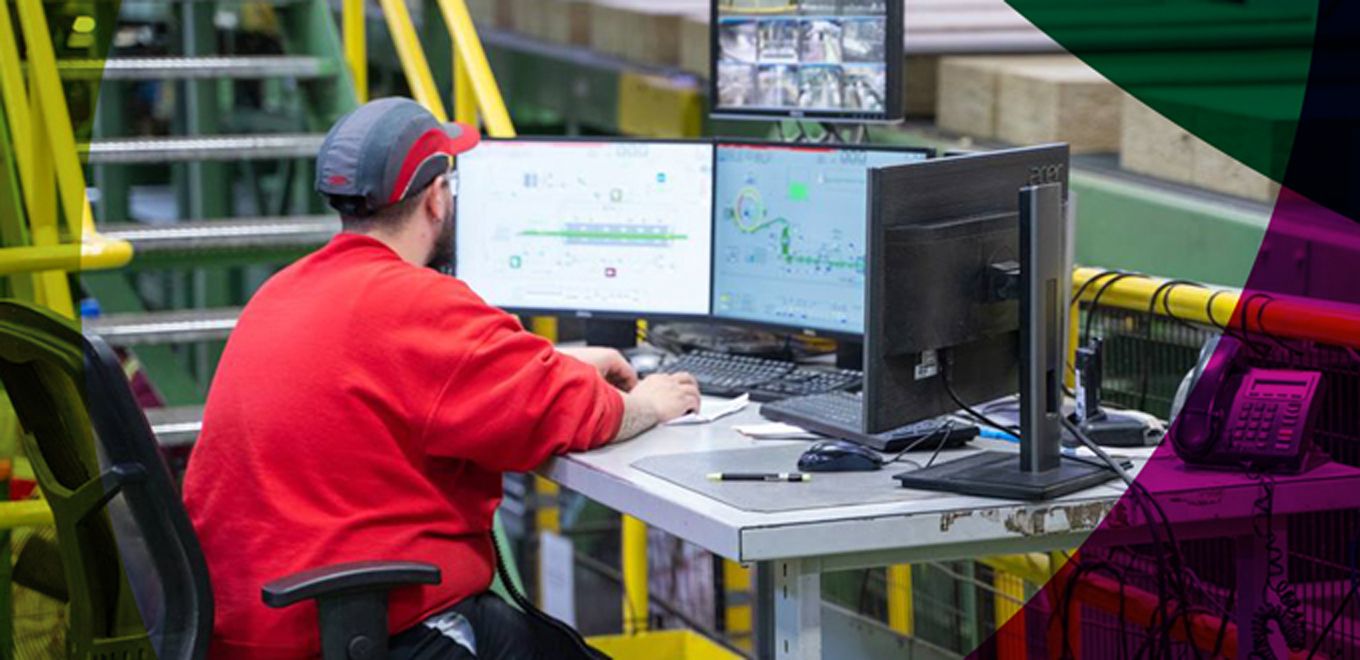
(790, 223)
(819, 59)
(598, 228)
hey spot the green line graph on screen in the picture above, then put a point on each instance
(609, 234)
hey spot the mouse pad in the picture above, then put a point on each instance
(827, 489)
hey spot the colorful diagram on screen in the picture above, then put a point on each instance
(587, 226)
(789, 238)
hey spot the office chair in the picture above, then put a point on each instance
(135, 576)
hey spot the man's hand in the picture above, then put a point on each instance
(609, 362)
(657, 399)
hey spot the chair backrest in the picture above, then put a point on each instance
(137, 580)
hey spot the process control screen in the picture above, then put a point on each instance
(587, 226)
(789, 234)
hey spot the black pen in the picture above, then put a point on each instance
(759, 476)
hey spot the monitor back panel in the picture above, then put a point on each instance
(934, 230)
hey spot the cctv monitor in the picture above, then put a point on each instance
(829, 60)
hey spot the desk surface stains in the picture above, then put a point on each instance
(1033, 521)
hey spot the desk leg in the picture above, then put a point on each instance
(789, 610)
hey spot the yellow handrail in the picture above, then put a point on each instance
(25, 513)
(473, 58)
(412, 56)
(45, 142)
(353, 24)
(1134, 293)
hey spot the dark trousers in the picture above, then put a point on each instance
(500, 632)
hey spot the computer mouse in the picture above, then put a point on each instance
(839, 456)
(645, 363)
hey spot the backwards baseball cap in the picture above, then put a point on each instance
(384, 152)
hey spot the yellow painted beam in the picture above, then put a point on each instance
(14, 95)
(545, 327)
(635, 588)
(25, 513)
(1034, 567)
(469, 48)
(53, 291)
(1008, 604)
(464, 95)
(547, 515)
(46, 86)
(412, 56)
(901, 610)
(92, 254)
(356, 45)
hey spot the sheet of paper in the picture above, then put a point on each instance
(713, 408)
(775, 431)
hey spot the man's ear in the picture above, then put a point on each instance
(434, 203)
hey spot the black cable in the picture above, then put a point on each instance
(949, 430)
(1145, 368)
(1288, 614)
(1226, 328)
(949, 389)
(1327, 629)
(1145, 501)
(1070, 592)
(1076, 297)
(947, 423)
(1261, 325)
(1093, 309)
(528, 607)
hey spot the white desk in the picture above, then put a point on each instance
(793, 548)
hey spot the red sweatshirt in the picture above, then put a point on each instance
(365, 409)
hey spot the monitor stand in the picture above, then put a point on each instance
(850, 355)
(1039, 472)
(611, 333)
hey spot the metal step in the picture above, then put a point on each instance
(235, 235)
(175, 327)
(176, 427)
(202, 148)
(197, 68)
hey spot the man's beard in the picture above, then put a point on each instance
(443, 256)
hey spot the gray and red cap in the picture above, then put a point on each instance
(385, 151)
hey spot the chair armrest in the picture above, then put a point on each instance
(349, 578)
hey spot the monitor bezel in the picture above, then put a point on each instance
(790, 328)
(894, 112)
(612, 315)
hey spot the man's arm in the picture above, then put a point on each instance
(655, 400)
(610, 363)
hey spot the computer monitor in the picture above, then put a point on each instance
(968, 303)
(595, 228)
(831, 60)
(935, 231)
(789, 234)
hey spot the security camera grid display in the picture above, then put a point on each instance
(803, 55)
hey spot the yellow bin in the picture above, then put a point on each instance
(662, 645)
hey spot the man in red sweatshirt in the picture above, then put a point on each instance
(367, 405)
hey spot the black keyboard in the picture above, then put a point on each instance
(804, 381)
(723, 374)
(841, 415)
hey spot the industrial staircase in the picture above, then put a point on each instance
(238, 184)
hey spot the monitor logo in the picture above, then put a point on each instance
(1042, 174)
